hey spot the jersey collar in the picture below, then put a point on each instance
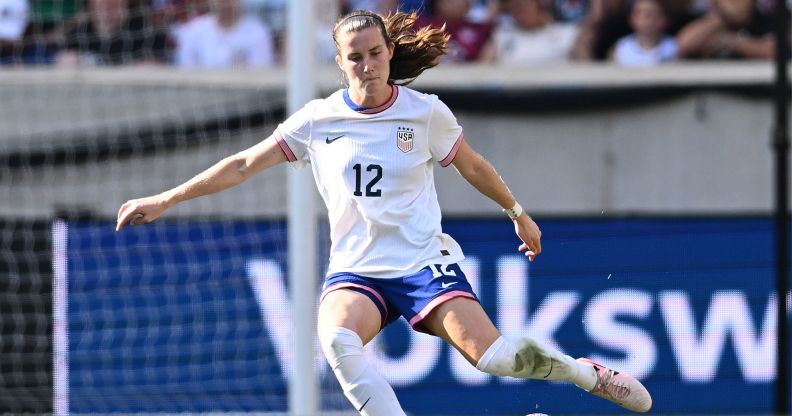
(372, 110)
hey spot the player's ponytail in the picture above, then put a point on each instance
(414, 52)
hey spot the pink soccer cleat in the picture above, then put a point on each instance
(620, 388)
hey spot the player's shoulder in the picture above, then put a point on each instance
(418, 101)
(329, 104)
(327, 108)
(332, 100)
(418, 95)
(307, 113)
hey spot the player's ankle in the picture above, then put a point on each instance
(586, 377)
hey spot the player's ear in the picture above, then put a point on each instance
(338, 61)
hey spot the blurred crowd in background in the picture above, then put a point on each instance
(215, 34)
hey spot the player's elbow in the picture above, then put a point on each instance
(476, 169)
(240, 167)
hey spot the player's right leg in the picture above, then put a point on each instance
(348, 319)
(464, 324)
(547, 363)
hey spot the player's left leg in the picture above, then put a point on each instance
(348, 319)
(463, 323)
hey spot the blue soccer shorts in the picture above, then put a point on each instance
(413, 296)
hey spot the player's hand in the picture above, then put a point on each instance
(529, 233)
(140, 211)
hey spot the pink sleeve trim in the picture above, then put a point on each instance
(357, 286)
(452, 154)
(445, 297)
(285, 147)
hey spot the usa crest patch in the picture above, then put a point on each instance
(404, 138)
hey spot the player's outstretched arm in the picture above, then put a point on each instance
(225, 174)
(480, 173)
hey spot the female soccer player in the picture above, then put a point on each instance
(372, 147)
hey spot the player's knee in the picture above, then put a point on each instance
(344, 352)
(339, 343)
(503, 359)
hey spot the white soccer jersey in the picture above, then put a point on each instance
(374, 170)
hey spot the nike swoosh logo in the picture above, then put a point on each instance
(551, 369)
(364, 404)
(329, 140)
(447, 284)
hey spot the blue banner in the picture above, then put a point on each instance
(194, 316)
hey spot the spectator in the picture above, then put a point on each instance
(467, 38)
(274, 15)
(225, 38)
(649, 44)
(535, 37)
(49, 14)
(112, 32)
(732, 29)
(44, 34)
(177, 13)
(589, 15)
(326, 16)
(609, 20)
(14, 15)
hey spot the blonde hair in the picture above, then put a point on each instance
(414, 51)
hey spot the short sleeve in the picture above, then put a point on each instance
(294, 135)
(445, 134)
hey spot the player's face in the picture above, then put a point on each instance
(364, 56)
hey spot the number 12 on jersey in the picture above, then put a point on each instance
(374, 174)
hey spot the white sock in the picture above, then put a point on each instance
(368, 391)
(536, 361)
